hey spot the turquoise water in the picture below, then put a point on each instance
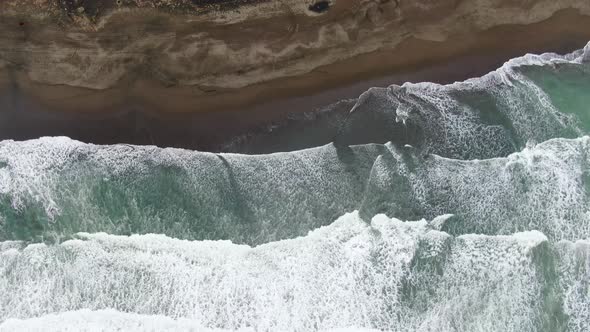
(473, 217)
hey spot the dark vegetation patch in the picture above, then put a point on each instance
(320, 6)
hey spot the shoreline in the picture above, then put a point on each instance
(148, 113)
(556, 34)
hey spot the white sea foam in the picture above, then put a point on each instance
(485, 116)
(107, 320)
(103, 321)
(543, 188)
(574, 271)
(87, 187)
(350, 273)
(256, 199)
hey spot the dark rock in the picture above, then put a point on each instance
(320, 6)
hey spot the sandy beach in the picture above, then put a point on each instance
(144, 111)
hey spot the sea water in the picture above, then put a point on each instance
(472, 215)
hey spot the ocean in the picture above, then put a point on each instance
(458, 207)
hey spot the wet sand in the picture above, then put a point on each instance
(143, 112)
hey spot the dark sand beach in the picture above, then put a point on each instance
(147, 112)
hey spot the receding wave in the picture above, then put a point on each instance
(532, 98)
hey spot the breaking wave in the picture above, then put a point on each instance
(386, 274)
